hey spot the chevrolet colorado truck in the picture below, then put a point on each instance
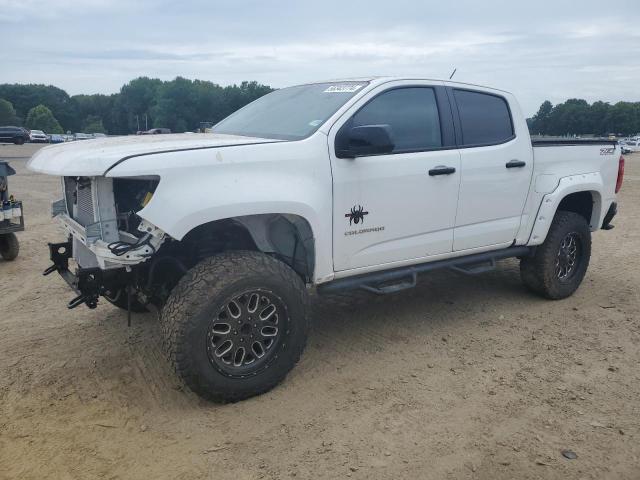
(353, 184)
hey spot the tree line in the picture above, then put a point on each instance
(179, 104)
(578, 117)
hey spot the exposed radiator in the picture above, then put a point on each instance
(85, 214)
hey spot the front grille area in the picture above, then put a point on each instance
(85, 214)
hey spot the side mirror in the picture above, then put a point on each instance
(365, 140)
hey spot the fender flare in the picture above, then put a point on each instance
(584, 182)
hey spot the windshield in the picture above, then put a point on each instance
(291, 113)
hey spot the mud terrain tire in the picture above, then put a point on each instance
(559, 265)
(234, 297)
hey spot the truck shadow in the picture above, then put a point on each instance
(123, 365)
(436, 293)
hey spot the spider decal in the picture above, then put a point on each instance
(356, 215)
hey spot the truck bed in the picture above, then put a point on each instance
(571, 142)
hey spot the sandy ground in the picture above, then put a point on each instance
(463, 377)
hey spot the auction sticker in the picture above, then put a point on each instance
(345, 88)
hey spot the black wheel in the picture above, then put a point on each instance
(235, 325)
(119, 299)
(560, 263)
(9, 246)
(19, 141)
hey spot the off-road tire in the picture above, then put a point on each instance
(120, 301)
(539, 272)
(193, 304)
(9, 246)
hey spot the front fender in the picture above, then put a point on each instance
(198, 187)
(584, 182)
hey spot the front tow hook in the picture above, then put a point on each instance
(90, 300)
(51, 269)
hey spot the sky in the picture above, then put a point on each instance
(538, 50)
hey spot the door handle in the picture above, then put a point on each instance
(515, 164)
(441, 170)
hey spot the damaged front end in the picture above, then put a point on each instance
(109, 244)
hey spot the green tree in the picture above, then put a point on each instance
(25, 97)
(577, 117)
(180, 104)
(540, 121)
(101, 106)
(7, 113)
(93, 124)
(41, 118)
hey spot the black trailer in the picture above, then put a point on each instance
(11, 216)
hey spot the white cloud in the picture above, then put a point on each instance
(547, 50)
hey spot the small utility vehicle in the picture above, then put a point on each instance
(11, 218)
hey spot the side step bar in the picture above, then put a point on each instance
(390, 281)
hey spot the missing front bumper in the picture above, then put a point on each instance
(88, 283)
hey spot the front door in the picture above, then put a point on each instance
(398, 206)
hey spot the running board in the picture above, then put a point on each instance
(391, 281)
(475, 268)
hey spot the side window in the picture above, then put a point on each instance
(484, 118)
(412, 114)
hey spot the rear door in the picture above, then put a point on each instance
(496, 169)
(398, 206)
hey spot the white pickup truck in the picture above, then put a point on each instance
(338, 185)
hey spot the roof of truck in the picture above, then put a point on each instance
(389, 78)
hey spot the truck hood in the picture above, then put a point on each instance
(89, 158)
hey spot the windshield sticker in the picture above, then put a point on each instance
(315, 123)
(345, 88)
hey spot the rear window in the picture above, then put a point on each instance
(485, 119)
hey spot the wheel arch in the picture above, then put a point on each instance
(586, 203)
(287, 236)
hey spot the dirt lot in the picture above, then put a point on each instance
(463, 377)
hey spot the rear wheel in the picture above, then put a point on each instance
(558, 266)
(19, 141)
(235, 325)
(9, 246)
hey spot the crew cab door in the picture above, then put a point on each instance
(398, 205)
(496, 168)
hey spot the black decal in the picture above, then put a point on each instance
(356, 215)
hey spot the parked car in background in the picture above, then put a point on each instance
(82, 136)
(98, 135)
(623, 147)
(38, 136)
(632, 145)
(155, 131)
(17, 135)
(56, 138)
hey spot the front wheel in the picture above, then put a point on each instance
(235, 325)
(9, 246)
(558, 266)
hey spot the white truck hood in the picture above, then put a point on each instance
(89, 158)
